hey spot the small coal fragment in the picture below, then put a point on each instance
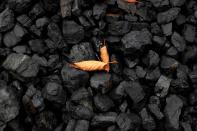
(37, 46)
(148, 122)
(140, 72)
(130, 74)
(22, 64)
(13, 37)
(54, 93)
(9, 104)
(24, 20)
(51, 6)
(81, 52)
(151, 59)
(99, 10)
(33, 101)
(19, 5)
(80, 94)
(6, 20)
(159, 3)
(81, 125)
(162, 86)
(177, 2)
(190, 54)
(54, 33)
(128, 121)
(186, 126)
(172, 52)
(104, 120)
(135, 92)
(119, 27)
(71, 125)
(193, 76)
(189, 33)
(74, 78)
(154, 107)
(168, 16)
(129, 8)
(135, 41)
(103, 102)
(159, 41)
(153, 75)
(167, 29)
(66, 7)
(178, 42)
(42, 22)
(73, 33)
(172, 112)
(36, 11)
(46, 121)
(168, 63)
(193, 97)
(101, 81)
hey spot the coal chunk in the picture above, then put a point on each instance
(119, 27)
(9, 104)
(159, 3)
(81, 125)
(103, 102)
(152, 59)
(128, 121)
(177, 2)
(73, 33)
(167, 29)
(135, 41)
(36, 11)
(101, 81)
(24, 20)
(50, 6)
(168, 63)
(104, 119)
(178, 42)
(6, 20)
(80, 94)
(22, 64)
(54, 33)
(82, 51)
(82, 112)
(193, 76)
(37, 45)
(19, 5)
(135, 91)
(172, 111)
(99, 10)
(13, 37)
(148, 122)
(66, 7)
(73, 78)
(168, 16)
(162, 86)
(189, 33)
(54, 93)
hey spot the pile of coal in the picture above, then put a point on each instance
(152, 87)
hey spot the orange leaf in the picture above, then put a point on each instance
(132, 1)
(90, 65)
(105, 56)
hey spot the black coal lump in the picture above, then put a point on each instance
(178, 42)
(24, 20)
(128, 121)
(119, 27)
(159, 3)
(153, 74)
(72, 32)
(19, 5)
(81, 125)
(37, 46)
(42, 22)
(82, 51)
(54, 93)
(74, 78)
(36, 11)
(54, 33)
(172, 111)
(99, 10)
(151, 59)
(103, 102)
(168, 63)
(168, 16)
(167, 29)
(104, 119)
(177, 2)
(6, 20)
(193, 76)
(13, 37)
(80, 94)
(189, 32)
(136, 41)
(9, 104)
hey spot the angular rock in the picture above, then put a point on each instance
(37, 46)
(9, 105)
(99, 10)
(148, 122)
(80, 94)
(74, 78)
(128, 121)
(172, 52)
(135, 92)
(104, 120)
(54, 33)
(82, 52)
(135, 41)
(103, 102)
(172, 112)
(22, 64)
(153, 75)
(6, 20)
(168, 16)
(162, 86)
(178, 42)
(73, 33)
(13, 37)
(168, 63)
(167, 29)
(54, 93)
(119, 27)
(101, 81)
(82, 112)
(152, 59)
(177, 2)
(189, 32)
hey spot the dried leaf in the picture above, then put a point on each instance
(132, 1)
(65, 7)
(90, 65)
(105, 56)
